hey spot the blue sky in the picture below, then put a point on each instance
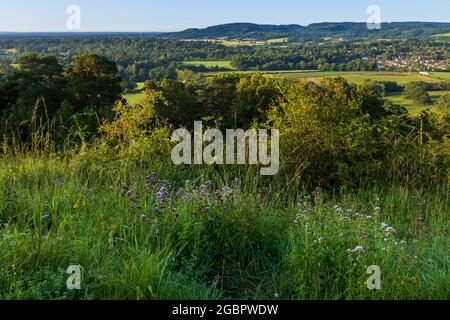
(172, 15)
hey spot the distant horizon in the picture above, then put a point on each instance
(220, 24)
(142, 16)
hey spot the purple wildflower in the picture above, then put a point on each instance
(163, 195)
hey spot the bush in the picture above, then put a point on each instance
(417, 91)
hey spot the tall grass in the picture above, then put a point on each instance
(210, 236)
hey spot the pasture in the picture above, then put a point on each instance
(134, 98)
(210, 64)
(415, 109)
(359, 77)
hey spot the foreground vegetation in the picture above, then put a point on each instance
(211, 240)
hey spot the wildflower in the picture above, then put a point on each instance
(307, 228)
(229, 194)
(318, 193)
(377, 210)
(183, 194)
(358, 249)
(163, 195)
(389, 230)
(219, 196)
(164, 183)
(150, 180)
(204, 191)
(128, 193)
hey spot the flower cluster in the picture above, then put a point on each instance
(160, 188)
(154, 184)
(227, 194)
(151, 180)
(163, 196)
(203, 190)
(303, 214)
(358, 251)
(388, 230)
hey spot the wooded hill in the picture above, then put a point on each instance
(347, 30)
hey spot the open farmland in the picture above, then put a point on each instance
(413, 108)
(357, 77)
(210, 64)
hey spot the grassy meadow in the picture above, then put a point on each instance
(414, 108)
(134, 98)
(213, 236)
(358, 77)
(210, 64)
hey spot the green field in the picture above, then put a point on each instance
(210, 64)
(134, 98)
(442, 76)
(360, 77)
(402, 78)
(140, 85)
(357, 77)
(414, 108)
(442, 35)
(137, 96)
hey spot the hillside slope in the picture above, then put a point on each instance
(348, 30)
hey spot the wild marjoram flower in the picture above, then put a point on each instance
(241, 148)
